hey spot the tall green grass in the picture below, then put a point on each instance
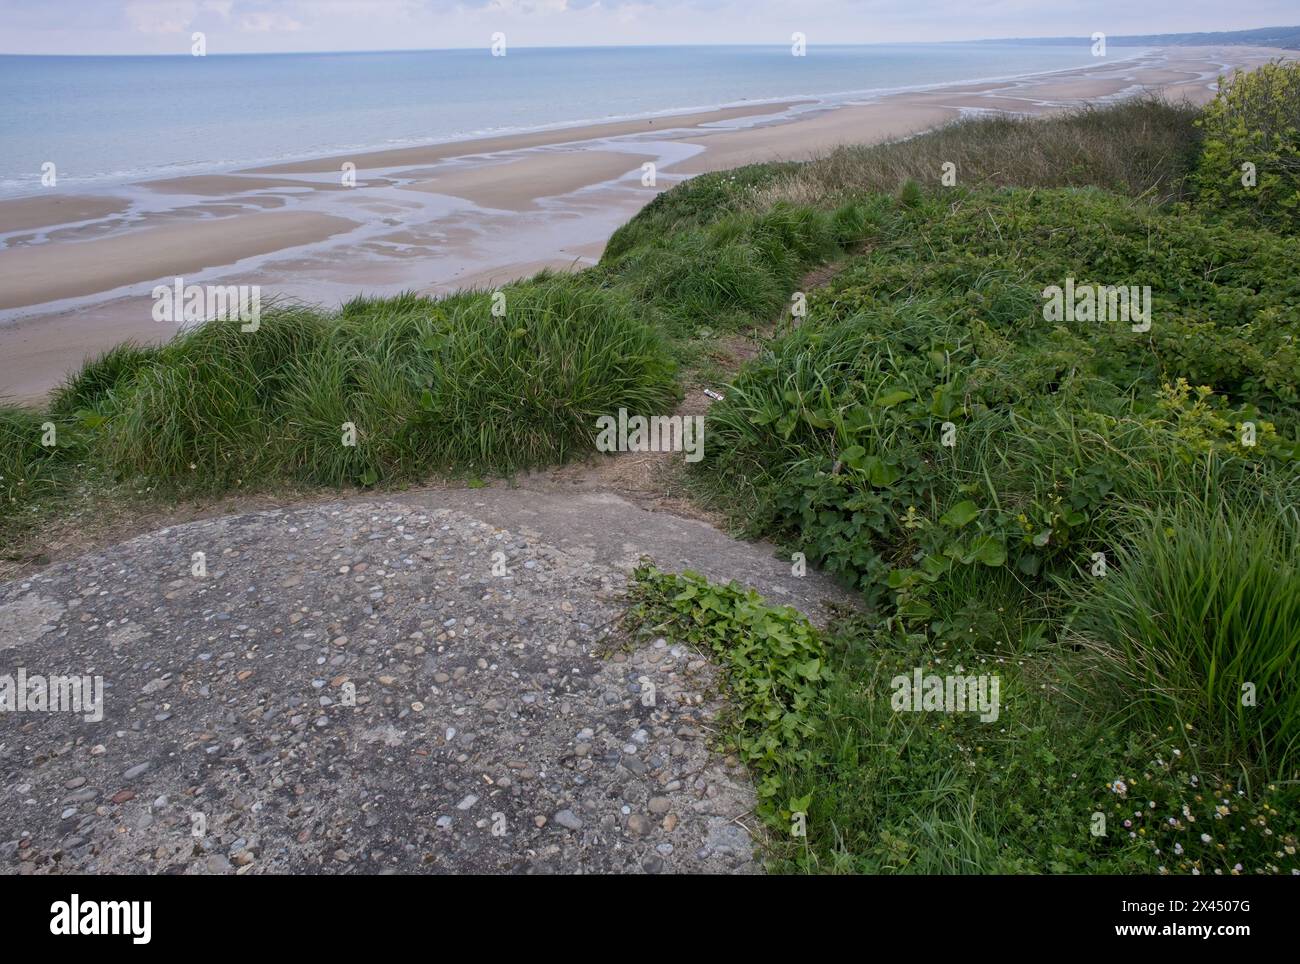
(1143, 147)
(1200, 609)
(418, 385)
(89, 387)
(444, 385)
(28, 469)
(739, 270)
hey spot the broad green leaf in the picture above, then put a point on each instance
(853, 456)
(889, 399)
(881, 473)
(989, 550)
(960, 514)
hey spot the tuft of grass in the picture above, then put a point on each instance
(207, 412)
(389, 389)
(27, 467)
(741, 269)
(910, 194)
(693, 204)
(527, 392)
(1200, 609)
(112, 370)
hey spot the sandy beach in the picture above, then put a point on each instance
(76, 270)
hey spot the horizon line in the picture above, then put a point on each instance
(1139, 39)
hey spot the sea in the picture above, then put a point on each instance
(109, 120)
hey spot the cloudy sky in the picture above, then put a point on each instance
(241, 26)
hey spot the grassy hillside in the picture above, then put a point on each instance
(1100, 514)
(1150, 710)
(1068, 441)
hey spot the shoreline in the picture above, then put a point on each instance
(761, 105)
(77, 268)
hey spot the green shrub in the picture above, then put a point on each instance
(1251, 158)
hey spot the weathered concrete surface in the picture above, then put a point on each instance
(488, 733)
(606, 529)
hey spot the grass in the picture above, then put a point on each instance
(389, 391)
(737, 271)
(1070, 443)
(1102, 518)
(381, 390)
(945, 793)
(1144, 147)
(87, 388)
(28, 469)
(1202, 613)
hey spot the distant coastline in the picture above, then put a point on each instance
(150, 117)
(1281, 37)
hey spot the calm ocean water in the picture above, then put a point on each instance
(104, 120)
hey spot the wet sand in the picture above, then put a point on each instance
(42, 273)
(517, 185)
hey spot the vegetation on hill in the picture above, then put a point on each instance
(1100, 513)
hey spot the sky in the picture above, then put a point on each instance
(259, 26)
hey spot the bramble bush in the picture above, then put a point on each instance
(1254, 120)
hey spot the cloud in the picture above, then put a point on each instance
(263, 21)
(263, 26)
(160, 16)
(528, 6)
